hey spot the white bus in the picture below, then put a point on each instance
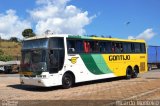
(54, 60)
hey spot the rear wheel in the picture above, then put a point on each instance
(128, 73)
(135, 73)
(67, 81)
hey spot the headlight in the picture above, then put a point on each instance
(43, 76)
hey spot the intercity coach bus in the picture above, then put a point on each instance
(54, 60)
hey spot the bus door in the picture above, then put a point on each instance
(56, 54)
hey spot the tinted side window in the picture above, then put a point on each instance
(79, 46)
(137, 47)
(132, 48)
(91, 46)
(105, 47)
(127, 48)
(71, 46)
(75, 46)
(56, 43)
(117, 47)
(143, 48)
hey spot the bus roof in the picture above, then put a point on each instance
(105, 38)
(84, 37)
(46, 36)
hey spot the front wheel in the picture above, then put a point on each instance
(67, 81)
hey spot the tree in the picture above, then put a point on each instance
(6, 58)
(14, 39)
(28, 33)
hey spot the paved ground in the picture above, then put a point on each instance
(145, 87)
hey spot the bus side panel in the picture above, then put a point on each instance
(117, 66)
(88, 67)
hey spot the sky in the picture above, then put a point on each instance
(126, 19)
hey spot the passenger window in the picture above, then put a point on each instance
(127, 47)
(117, 47)
(143, 48)
(86, 46)
(71, 46)
(75, 46)
(105, 47)
(89, 46)
(132, 48)
(137, 47)
(79, 46)
(96, 47)
(91, 43)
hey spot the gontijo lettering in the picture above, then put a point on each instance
(119, 57)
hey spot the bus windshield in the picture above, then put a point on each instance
(33, 44)
(43, 55)
(34, 60)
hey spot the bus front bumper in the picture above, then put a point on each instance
(46, 82)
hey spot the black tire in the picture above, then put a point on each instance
(128, 73)
(135, 73)
(67, 81)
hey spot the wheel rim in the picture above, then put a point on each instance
(135, 73)
(67, 81)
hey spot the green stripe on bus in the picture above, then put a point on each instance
(79, 37)
(95, 63)
(90, 64)
(101, 64)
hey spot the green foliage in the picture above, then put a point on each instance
(28, 33)
(1, 52)
(14, 39)
(93, 36)
(5, 58)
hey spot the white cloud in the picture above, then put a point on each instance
(146, 35)
(131, 37)
(58, 17)
(11, 25)
(54, 15)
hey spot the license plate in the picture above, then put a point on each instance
(25, 73)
